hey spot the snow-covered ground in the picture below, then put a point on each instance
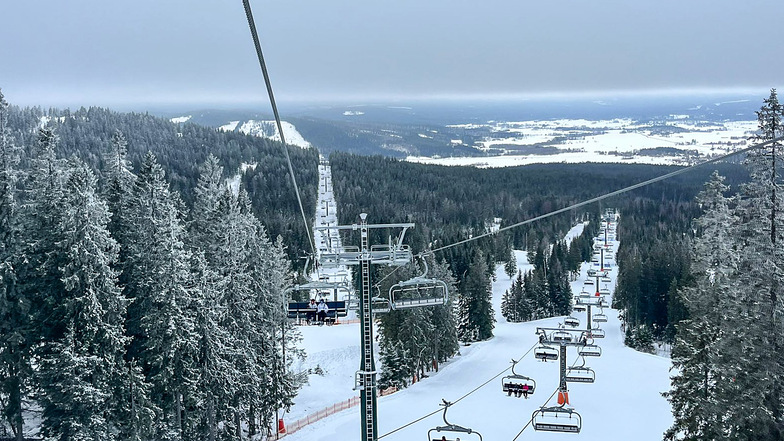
(616, 141)
(229, 127)
(181, 119)
(268, 129)
(623, 404)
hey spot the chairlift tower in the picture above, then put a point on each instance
(393, 253)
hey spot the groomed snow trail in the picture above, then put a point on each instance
(624, 403)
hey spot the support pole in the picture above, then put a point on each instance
(367, 365)
(589, 319)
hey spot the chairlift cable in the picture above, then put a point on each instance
(457, 400)
(596, 199)
(254, 34)
(531, 419)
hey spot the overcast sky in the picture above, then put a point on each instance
(139, 52)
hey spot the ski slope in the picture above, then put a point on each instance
(624, 403)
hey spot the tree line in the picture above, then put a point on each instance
(123, 314)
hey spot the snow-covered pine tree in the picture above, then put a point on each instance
(246, 276)
(517, 308)
(761, 281)
(38, 278)
(81, 357)
(274, 337)
(161, 320)
(522, 303)
(204, 226)
(558, 286)
(510, 267)
(701, 387)
(15, 326)
(507, 306)
(444, 330)
(396, 371)
(117, 183)
(476, 309)
(216, 371)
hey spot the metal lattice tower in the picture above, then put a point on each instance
(395, 253)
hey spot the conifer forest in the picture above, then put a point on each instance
(142, 298)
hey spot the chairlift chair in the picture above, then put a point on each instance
(600, 318)
(572, 322)
(517, 384)
(452, 430)
(580, 374)
(590, 350)
(544, 353)
(589, 282)
(561, 336)
(418, 291)
(597, 333)
(380, 305)
(557, 419)
(579, 307)
(606, 279)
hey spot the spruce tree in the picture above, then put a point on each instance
(510, 267)
(761, 274)
(16, 328)
(702, 388)
(161, 319)
(81, 358)
(476, 310)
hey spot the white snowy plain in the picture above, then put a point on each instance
(624, 403)
(617, 144)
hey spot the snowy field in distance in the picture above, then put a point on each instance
(624, 403)
(181, 119)
(608, 141)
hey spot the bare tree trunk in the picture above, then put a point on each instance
(210, 418)
(178, 413)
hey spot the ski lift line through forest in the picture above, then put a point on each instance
(254, 34)
(464, 396)
(596, 199)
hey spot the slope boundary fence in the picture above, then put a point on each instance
(323, 413)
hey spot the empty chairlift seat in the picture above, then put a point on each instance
(380, 305)
(597, 333)
(452, 432)
(418, 291)
(561, 336)
(572, 322)
(600, 318)
(557, 419)
(580, 375)
(589, 350)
